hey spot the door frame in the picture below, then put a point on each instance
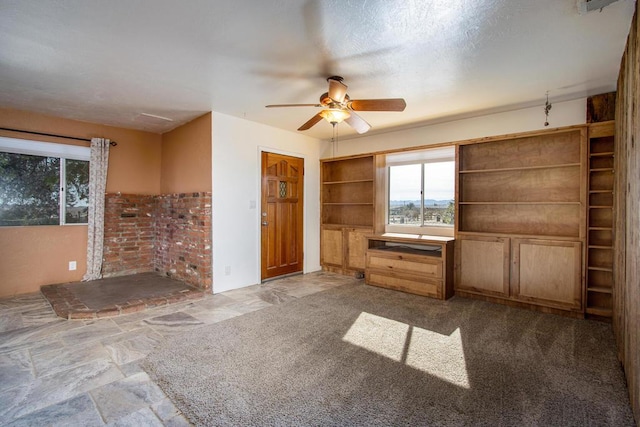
(258, 209)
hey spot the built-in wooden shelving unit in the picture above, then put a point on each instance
(348, 211)
(600, 256)
(521, 219)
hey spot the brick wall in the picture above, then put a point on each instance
(128, 234)
(169, 234)
(183, 237)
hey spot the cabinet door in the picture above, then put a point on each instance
(356, 244)
(547, 272)
(331, 252)
(482, 265)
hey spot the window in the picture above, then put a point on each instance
(43, 183)
(421, 196)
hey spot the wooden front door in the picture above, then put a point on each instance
(281, 215)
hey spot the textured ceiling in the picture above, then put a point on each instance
(108, 62)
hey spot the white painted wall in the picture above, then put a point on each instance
(237, 144)
(527, 119)
(236, 163)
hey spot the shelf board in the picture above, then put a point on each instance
(601, 247)
(601, 170)
(601, 228)
(600, 207)
(519, 203)
(599, 289)
(600, 311)
(593, 267)
(463, 233)
(522, 168)
(348, 204)
(600, 191)
(334, 225)
(353, 181)
(603, 154)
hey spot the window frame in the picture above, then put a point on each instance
(418, 157)
(63, 152)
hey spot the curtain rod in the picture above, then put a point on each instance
(112, 143)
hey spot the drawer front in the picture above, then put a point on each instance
(431, 288)
(402, 263)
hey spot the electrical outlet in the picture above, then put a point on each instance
(227, 270)
(72, 265)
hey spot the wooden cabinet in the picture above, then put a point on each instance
(600, 253)
(342, 249)
(547, 272)
(534, 271)
(482, 265)
(331, 248)
(521, 218)
(348, 210)
(420, 265)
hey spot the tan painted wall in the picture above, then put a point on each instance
(134, 165)
(186, 157)
(40, 255)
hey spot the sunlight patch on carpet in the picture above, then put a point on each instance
(435, 354)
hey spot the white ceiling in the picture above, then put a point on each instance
(110, 61)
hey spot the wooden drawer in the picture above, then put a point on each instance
(405, 263)
(406, 283)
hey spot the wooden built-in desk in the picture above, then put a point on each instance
(418, 264)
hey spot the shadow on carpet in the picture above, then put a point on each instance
(358, 355)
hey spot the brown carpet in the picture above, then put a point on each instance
(358, 355)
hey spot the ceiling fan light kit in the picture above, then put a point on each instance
(335, 115)
(339, 107)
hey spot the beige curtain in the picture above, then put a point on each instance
(98, 166)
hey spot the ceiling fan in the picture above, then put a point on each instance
(338, 107)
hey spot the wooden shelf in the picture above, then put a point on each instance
(600, 247)
(601, 228)
(347, 204)
(604, 312)
(607, 153)
(600, 191)
(462, 234)
(601, 170)
(599, 289)
(520, 203)
(339, 226)
(521, 168)
(593, 267)
(353, 181)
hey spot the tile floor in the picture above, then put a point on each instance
(59, 372)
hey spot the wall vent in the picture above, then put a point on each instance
(586, 6)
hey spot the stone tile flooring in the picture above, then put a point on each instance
(59, 372)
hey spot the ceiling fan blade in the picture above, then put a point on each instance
(312, 121)
(337, 90)
(358, 123)
(292, 105)
(390, 104)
